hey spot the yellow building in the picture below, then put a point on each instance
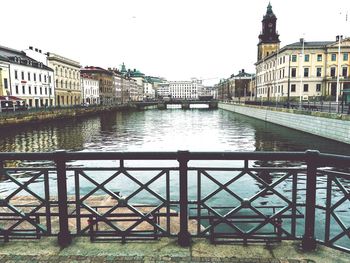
(302, 70)
(67, 80)
(4, 76)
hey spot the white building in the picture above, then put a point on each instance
(188, 90)
(118, 88)
(90, 89)
(148, 90)
(163, 90)
(30, 79)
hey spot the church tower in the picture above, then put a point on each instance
(268, 38)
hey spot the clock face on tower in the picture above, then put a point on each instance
(269, 25)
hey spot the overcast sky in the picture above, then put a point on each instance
(175, 39)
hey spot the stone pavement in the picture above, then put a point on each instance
(164, 250)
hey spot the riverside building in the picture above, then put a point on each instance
(29, 79)
(106, 83)
(67, 79)
(90, 90)
(304, 70)
(4, 76)
(187, 90)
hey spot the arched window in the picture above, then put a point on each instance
(62, 85)
(70, 84)
(65, 73)
(61, 72)
(66, 84)
(56, 83)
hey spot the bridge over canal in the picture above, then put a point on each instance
(185, 104)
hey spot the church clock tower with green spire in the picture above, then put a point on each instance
(268, 39)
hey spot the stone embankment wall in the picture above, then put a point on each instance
(331, 126)
(26, 117)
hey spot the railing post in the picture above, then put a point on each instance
(184, 237)
(64, 236)
(312, 159)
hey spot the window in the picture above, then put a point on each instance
(34, 76)
(23, 90)
(294, 72)
(318, 87)
(318, 72)
(307, 58)
(22, 75)
(41, 90)
(345, 71)
(292, 88)
(30, 90)
(332, 71)
(345, 56)
(16, 74)
(40, 77)
(334, 57)
(28, 75)
(319, 57)
(294, 58)
(45, 78)
(35, 90)
(306, 72)
(306, 87)
(16, 89)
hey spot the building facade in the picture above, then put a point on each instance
(29, 79)
(186, 90)
(67, 81)
(302, 70)
(90, 90)
(4, 76)
(236, 87)
(106, 83)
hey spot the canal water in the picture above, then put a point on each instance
(172, 130)
(167, 130)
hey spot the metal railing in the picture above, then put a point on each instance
(223, 196)
(321, 106)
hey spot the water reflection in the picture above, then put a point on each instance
(167, 130)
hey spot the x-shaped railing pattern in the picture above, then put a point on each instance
(122, 202)
(310, 165)
(26, 217)
(245, 203)
(333, 183)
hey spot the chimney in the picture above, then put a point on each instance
(30, 47)
(40, 51)
(301, 40)
(36, 50)
(242, 70)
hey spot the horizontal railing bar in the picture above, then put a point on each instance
(153, 156)
(269, 156)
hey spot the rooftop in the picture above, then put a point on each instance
(20, 57)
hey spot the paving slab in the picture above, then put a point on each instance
(164, 250)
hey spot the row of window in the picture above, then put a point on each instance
(67, 73)
(66, 84)
(35, 91)
(270, 75)
(294, 57)
(279, 89)
(34, 76)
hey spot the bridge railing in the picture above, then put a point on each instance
(223, 196)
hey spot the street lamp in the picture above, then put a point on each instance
(301, 71)
(339, 38)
